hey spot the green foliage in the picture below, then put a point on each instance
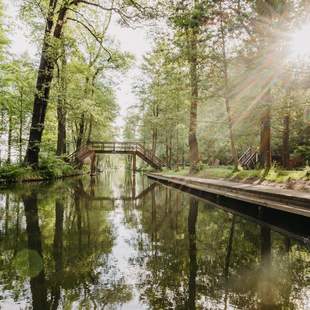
(304, 152)
(52, 167)
(14, 173)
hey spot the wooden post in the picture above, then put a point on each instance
(93, 164)
(134, 163)
(133, 185)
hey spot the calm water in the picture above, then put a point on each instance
(86, 244)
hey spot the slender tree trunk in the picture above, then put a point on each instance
(90, 129)
(192, 136)
(265, 138)
(10, 139)
(43, 85)
(21, 124)
(154, 140)
(61, 135)
(61, 107)
(167, 152)
(286, 138)
(227, 102)
(81, 128)
(177, 159)
(154, 130)
(170, 150)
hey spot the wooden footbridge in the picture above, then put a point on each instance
(99, 147)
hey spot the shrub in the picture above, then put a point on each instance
(13, 173)
(52, 167)
(304, 152)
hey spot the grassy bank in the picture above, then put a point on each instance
(50, 168)
(275, 174)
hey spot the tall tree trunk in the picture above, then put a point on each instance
(154, 140)
(226, 95)
(43, 85)
(192, 136)
(10, 138)
(81, 129)
(21, 124)
(61, 107)
(286, 138)
(154, 129)
(170, 150)
(90, 130)
(167, 152)
(265, 138)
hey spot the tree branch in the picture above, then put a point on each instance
(93, 34)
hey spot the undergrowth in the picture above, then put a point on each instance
(49, 168)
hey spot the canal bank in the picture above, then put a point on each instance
(290, 201)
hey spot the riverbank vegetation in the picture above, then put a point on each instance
(49, 168)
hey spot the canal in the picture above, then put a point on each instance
(103, 243)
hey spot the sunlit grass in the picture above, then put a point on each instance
(226, 172)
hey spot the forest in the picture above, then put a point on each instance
(154, 154)
(225, 84)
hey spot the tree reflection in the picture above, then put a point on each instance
(38, 282)
(184, 260)
(225, 260)
(192, 220)
(69, 242)
(58, 254)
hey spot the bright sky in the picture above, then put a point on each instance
(131, 40)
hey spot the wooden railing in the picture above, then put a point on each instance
(115, 147)
(126, 147)
(248, 159)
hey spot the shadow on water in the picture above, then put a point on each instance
(118, 241)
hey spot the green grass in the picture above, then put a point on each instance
(226, 172)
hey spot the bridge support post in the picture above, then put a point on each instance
(93, 164)
(133, 194)
(134, 163)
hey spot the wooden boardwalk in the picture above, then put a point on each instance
(290, 201)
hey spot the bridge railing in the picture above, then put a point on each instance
(125, 147)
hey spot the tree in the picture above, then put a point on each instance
(57, 14)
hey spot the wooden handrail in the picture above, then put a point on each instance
(122, 146)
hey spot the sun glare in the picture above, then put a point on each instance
(299, 46)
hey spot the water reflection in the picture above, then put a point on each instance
(122, 242)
